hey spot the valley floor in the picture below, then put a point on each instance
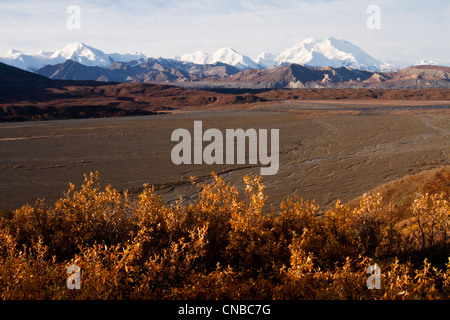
(328, 150)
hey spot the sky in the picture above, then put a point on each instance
(409, 30)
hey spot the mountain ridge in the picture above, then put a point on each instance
(28, 96)
(190, 75)
(312, 51)
(79, 52)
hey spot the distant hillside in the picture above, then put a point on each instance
(403, 191)
(221, 75)
(297, 76)
(28, 96)
(423, 72)
(151, 71)
(9, 73)
(71, 70)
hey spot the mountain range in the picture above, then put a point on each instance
(28, 96)
(309, 52)
(220, 75)
(312, 63)
(152, 70)
(78, 52)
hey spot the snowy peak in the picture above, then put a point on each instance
(232, 57)
(197, 57)
(426, 62)
(78, 52)
(20, 60)
(330, 52)
(79, 49)
(83, 54)
(266, 59)
(225, 55)
(13, 53)
(90, 56)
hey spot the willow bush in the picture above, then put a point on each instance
(226, 245)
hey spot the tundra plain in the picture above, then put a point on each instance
(329, 150)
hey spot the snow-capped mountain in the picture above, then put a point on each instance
(92, 57)
(27, 62)
(426, 62)
(197, 57)
(330, 52)
(312, 52)
(266, 59)
(225, 55)
(232, 57)
(78, 52)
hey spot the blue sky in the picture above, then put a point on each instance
(411, 30)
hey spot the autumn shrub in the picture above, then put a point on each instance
(431, 222)
(225, 245)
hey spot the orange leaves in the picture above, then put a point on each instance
(431, 221)
(225, 245)
(301, 262)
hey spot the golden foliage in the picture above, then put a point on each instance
(224, 246)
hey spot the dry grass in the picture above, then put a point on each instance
(403, 191)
